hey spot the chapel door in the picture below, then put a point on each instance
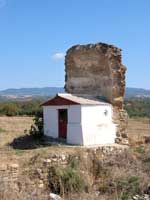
(62, 122)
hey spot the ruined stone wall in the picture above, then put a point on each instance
(29, 179)
(97, 70)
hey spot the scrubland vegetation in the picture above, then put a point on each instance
(134, 107)
(138, 107)
(29, 108)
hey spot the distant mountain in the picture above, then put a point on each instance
(30, 93)
(46, 91)
(137, 93)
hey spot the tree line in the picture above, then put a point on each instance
(138, 107)
(29, 108)
(134, 107)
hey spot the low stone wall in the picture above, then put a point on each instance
(33, 178)
(9, 174)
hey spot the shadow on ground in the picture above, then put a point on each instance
(30, 142)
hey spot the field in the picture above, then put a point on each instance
(17, 128)
(138, 128)
(13, 127)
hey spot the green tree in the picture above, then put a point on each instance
(10, 109)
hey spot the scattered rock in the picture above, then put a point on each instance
(15, 166)
(47, 161)
(41, 184)
(144, 197)
(55, 196)
(3, 167)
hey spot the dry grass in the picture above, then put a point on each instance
(137, 129)
(12, 127)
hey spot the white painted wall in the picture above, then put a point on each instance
(50, 114)
(97, 127)
(75, 135)
(87, 125)
(74, 129)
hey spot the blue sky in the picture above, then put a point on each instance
(35, 34)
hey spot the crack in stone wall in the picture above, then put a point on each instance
(97, 70)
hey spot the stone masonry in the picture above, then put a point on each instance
(97, 70)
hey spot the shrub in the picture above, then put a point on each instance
(71, 180)
(106, 186)
(140, 149)
(54, 181)
(138, 107)
(9, 109)
(65, 181)
(128, 187)
(37, 128)
(29, 108)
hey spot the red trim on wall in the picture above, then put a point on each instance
(59, 101)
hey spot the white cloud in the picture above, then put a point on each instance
(58, 56)
(2, 3)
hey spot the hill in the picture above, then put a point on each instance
(31, 93)
(46, 91)
(27, 94)
(137, 93)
